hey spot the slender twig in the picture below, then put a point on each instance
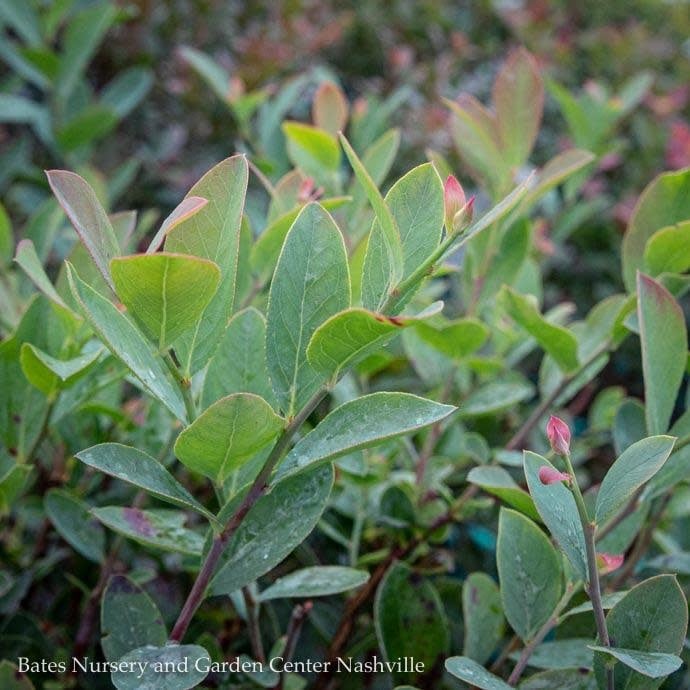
(593, 586)
(512, 644)
(540, 410)
(255, 492)
(545, 629)
(347, 620)
(253, 625)
(299, 613)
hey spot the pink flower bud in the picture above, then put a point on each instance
(453, 200)
(559, 436)
(464, 216)
(549, 475)
(607, 562)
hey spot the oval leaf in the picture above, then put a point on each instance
(87, 216)
(127, 343)
(165, 293)
(310, 284)
(213, 233)
(651, 617)
(137, 468)
(129, 619)
(71, 518)
(239, 363)
(529, 571)
(319, 581)
(558, 510)
(482, 614)
(278, 522)
(664, 342)
(161, 528)
(638, 464)
(173, 667)
(361, 423)
(227, 434)
(471, 672)
(410, 621)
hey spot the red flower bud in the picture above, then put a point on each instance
(559, 436)
(453, 200)
(549, 475)
(607, 562)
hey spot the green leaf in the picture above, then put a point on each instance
(228, 434)
(165, 293)
(664, 340)
(475, 134)
(629, 424)
(12, 679)
(136, 467)
(212, 233)
(49, 374)
(318, 581)
(638, 464)
(360, 423)
(92, 123)
(557, 341)
(455, 339)
(127, 343)
(209, 70)
(391, 238)
(651, 664)
(127, 90)
(518, 95)
(160, 528)
(482, 614)
(574, 652)
(558, 510)
(266, 249)
(71, 518)
(410, 621)
(172, 667)
(6, 238)
(474, 674)
(498, 482)
(557, 170)
(495, 396)
(129, 619)
(663, 203)
(88, 217)
(184, 210)
(353, 334)
(529, 570)
(651, 617)
(277, 523)
(668, 250)
(563, 679)
(310, 284)
(239, 363)
(312, 150)
(377, 160)
(30, 262)
(82, 37)
(416, 205)
(22, 17)
(330, 108)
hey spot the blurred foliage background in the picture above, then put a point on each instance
(147, 95)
